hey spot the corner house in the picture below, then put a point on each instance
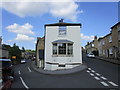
(62, 46)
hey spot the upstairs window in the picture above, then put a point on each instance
(110, 38)
(100, 43)
(103, 43)
(93, 45)
(118, 36)
(118, 27)
(62, 30)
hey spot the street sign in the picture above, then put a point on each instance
(14, 57)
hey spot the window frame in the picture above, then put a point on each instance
(110, 51)
(66, 53)
(118, 28)
(103, 42)
(110, 38)
(62, 29)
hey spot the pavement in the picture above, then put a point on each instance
(114, 61)
(59, 72)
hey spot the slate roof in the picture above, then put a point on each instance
(63, 24)
(62, 41)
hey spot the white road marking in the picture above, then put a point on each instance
(103, 78)
(89, 68)
(19, 72)
(97, 78)
(113, 83)
(1, 84)
(104, 83)
(87, 71)
(92, 71)
(91, 74)
(24, 83)
(97, 74)
(29, 69)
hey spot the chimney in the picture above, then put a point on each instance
(87, 43)
(61, 20)
(95, 37)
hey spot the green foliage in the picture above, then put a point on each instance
(23, 49)
(13, 51)
(29, 50)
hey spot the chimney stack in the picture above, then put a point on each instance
(61, 20)
(95, 37)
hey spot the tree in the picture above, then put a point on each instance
(16, 51)
(13, 51)
(23, 49)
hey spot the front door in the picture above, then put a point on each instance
(41, 54)
(108, 53)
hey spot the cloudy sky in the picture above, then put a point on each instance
(23, 22)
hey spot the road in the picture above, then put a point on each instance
(100, 74)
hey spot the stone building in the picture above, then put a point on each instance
(92, 46)
(40, 52)
(3, 52)
(109, 45)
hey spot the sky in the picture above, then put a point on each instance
(22, 22)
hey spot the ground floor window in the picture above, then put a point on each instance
(63, 49)
(54, 49)
(70, 49)
(110, 51)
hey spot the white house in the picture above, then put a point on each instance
(62, 46)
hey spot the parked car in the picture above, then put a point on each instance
(23, 61)
(7, 73)
(91, 55)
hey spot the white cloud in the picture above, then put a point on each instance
(35, 42)
(67, 10)
(88, 38)
(22, 37)
(9, 40)
(21, 29)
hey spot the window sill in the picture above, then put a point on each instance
(61, 35)
(62, 55)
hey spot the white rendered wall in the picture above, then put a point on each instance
(52, 34)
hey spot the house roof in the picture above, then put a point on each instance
(62, 41)
(100, 38)
(63, 24)
(115, 25)
(104, 36)
(40, 38)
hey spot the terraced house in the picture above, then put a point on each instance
(109, 45)
(40, 52)
(92, 46)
